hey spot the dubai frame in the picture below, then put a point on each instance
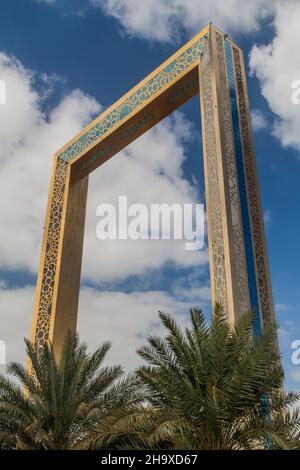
(211, 65)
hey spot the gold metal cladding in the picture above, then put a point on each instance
(211, 148)
(255, 206)
(235, 260)
(169, 86)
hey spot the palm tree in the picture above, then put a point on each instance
(216, 387)
(65, 400)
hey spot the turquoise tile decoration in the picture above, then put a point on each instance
(156, 83)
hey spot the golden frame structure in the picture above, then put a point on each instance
(211, 64)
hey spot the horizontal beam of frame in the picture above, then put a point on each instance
(138, 123)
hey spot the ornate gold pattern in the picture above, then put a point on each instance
(256, 220)
(51, 255)
(144, 93)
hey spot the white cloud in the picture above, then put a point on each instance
(276, 65)
(259, 120)
(296, 406)
(281, 308)
(124, 318)
(128, 318)
(16, 307)
(28, 139)
(167, 20)
(162, 20)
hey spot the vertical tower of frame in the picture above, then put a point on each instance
(238, 258)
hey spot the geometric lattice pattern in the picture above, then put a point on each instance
(212, 65)
(230, 168)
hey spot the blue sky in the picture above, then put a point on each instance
(66, 61)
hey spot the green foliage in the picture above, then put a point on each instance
(208, 386)
(63, 402)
